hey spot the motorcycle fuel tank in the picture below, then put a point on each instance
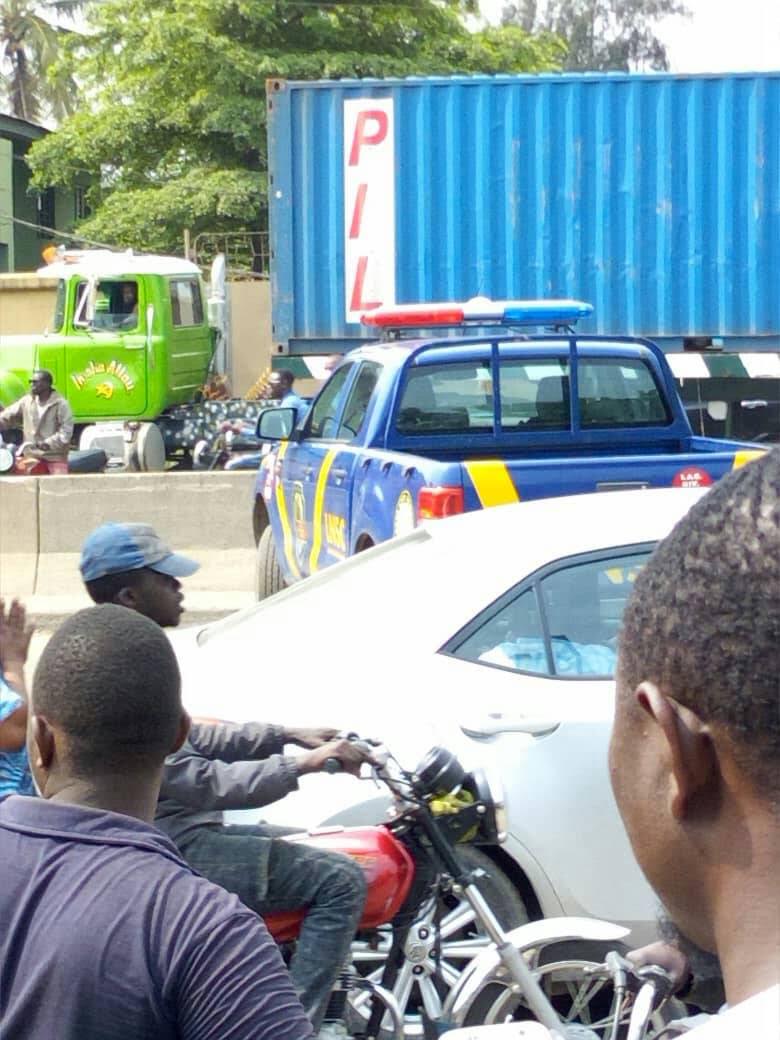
(387, 865)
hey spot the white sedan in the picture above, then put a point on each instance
(492, 633)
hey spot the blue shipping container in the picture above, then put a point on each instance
(655, 197)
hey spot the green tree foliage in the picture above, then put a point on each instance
(173, 129)
(31, 39)
(600, 34)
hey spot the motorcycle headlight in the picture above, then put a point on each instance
(439, 772)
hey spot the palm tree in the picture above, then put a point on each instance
(31, 39)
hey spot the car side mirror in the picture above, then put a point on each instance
(276, 424)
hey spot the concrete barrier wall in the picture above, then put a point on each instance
(44, 520)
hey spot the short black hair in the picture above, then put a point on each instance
(703, 620)
(286, 375)
(108, 678)
(107, 587)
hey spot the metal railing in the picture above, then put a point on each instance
(247, 253)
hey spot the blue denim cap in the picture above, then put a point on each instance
(115, 548)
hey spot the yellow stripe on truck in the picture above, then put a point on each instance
(493, 482)
(319, 502)
(281, 507)
(741, 458)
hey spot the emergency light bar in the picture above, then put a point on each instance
(479, 311)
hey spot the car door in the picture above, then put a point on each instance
(303, 462)
(531, 686)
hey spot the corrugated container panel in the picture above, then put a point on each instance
(655, 197)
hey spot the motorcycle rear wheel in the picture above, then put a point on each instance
(580, 994)
(461, 940)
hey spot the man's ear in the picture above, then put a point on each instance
(687, 738)
(126, 597)
(42, 746)
(181, 735)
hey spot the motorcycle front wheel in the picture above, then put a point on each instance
(451, 930)
(569, 974)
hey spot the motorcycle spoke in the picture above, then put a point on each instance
(581, 998)
(403, 987)
(369, 956)
(465, 949)
(459, 917)
(430, 998)
(449, 974)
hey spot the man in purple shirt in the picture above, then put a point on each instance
(105, 932)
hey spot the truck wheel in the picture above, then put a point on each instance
(268, 573)
(150, 449)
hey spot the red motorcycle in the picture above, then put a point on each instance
(14, 462)
(545, 971)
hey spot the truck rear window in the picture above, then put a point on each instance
(447, 398)
(619, 392)
(534, 395)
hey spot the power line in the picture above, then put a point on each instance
(53, 231)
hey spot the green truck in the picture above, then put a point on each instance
(129, 341)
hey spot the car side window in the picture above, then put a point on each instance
(323, 421)
(512, 638)
(564, 622)
(358, 401)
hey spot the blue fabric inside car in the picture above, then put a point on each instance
(529, 655)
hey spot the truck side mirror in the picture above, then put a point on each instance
(276, 424)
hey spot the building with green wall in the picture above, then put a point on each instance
(25, 215)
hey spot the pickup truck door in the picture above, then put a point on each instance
(304, 463)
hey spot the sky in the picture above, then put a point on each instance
(720, 35)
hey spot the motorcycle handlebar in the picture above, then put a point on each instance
(376, 754)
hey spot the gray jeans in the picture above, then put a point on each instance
(269, 874)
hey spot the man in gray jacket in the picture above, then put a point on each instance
(226, 766)
(46, 421)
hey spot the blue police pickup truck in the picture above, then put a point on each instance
(407, 430)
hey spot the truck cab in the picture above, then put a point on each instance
(129, 336)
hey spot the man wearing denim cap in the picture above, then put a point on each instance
(225, 766)
(130, 565)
